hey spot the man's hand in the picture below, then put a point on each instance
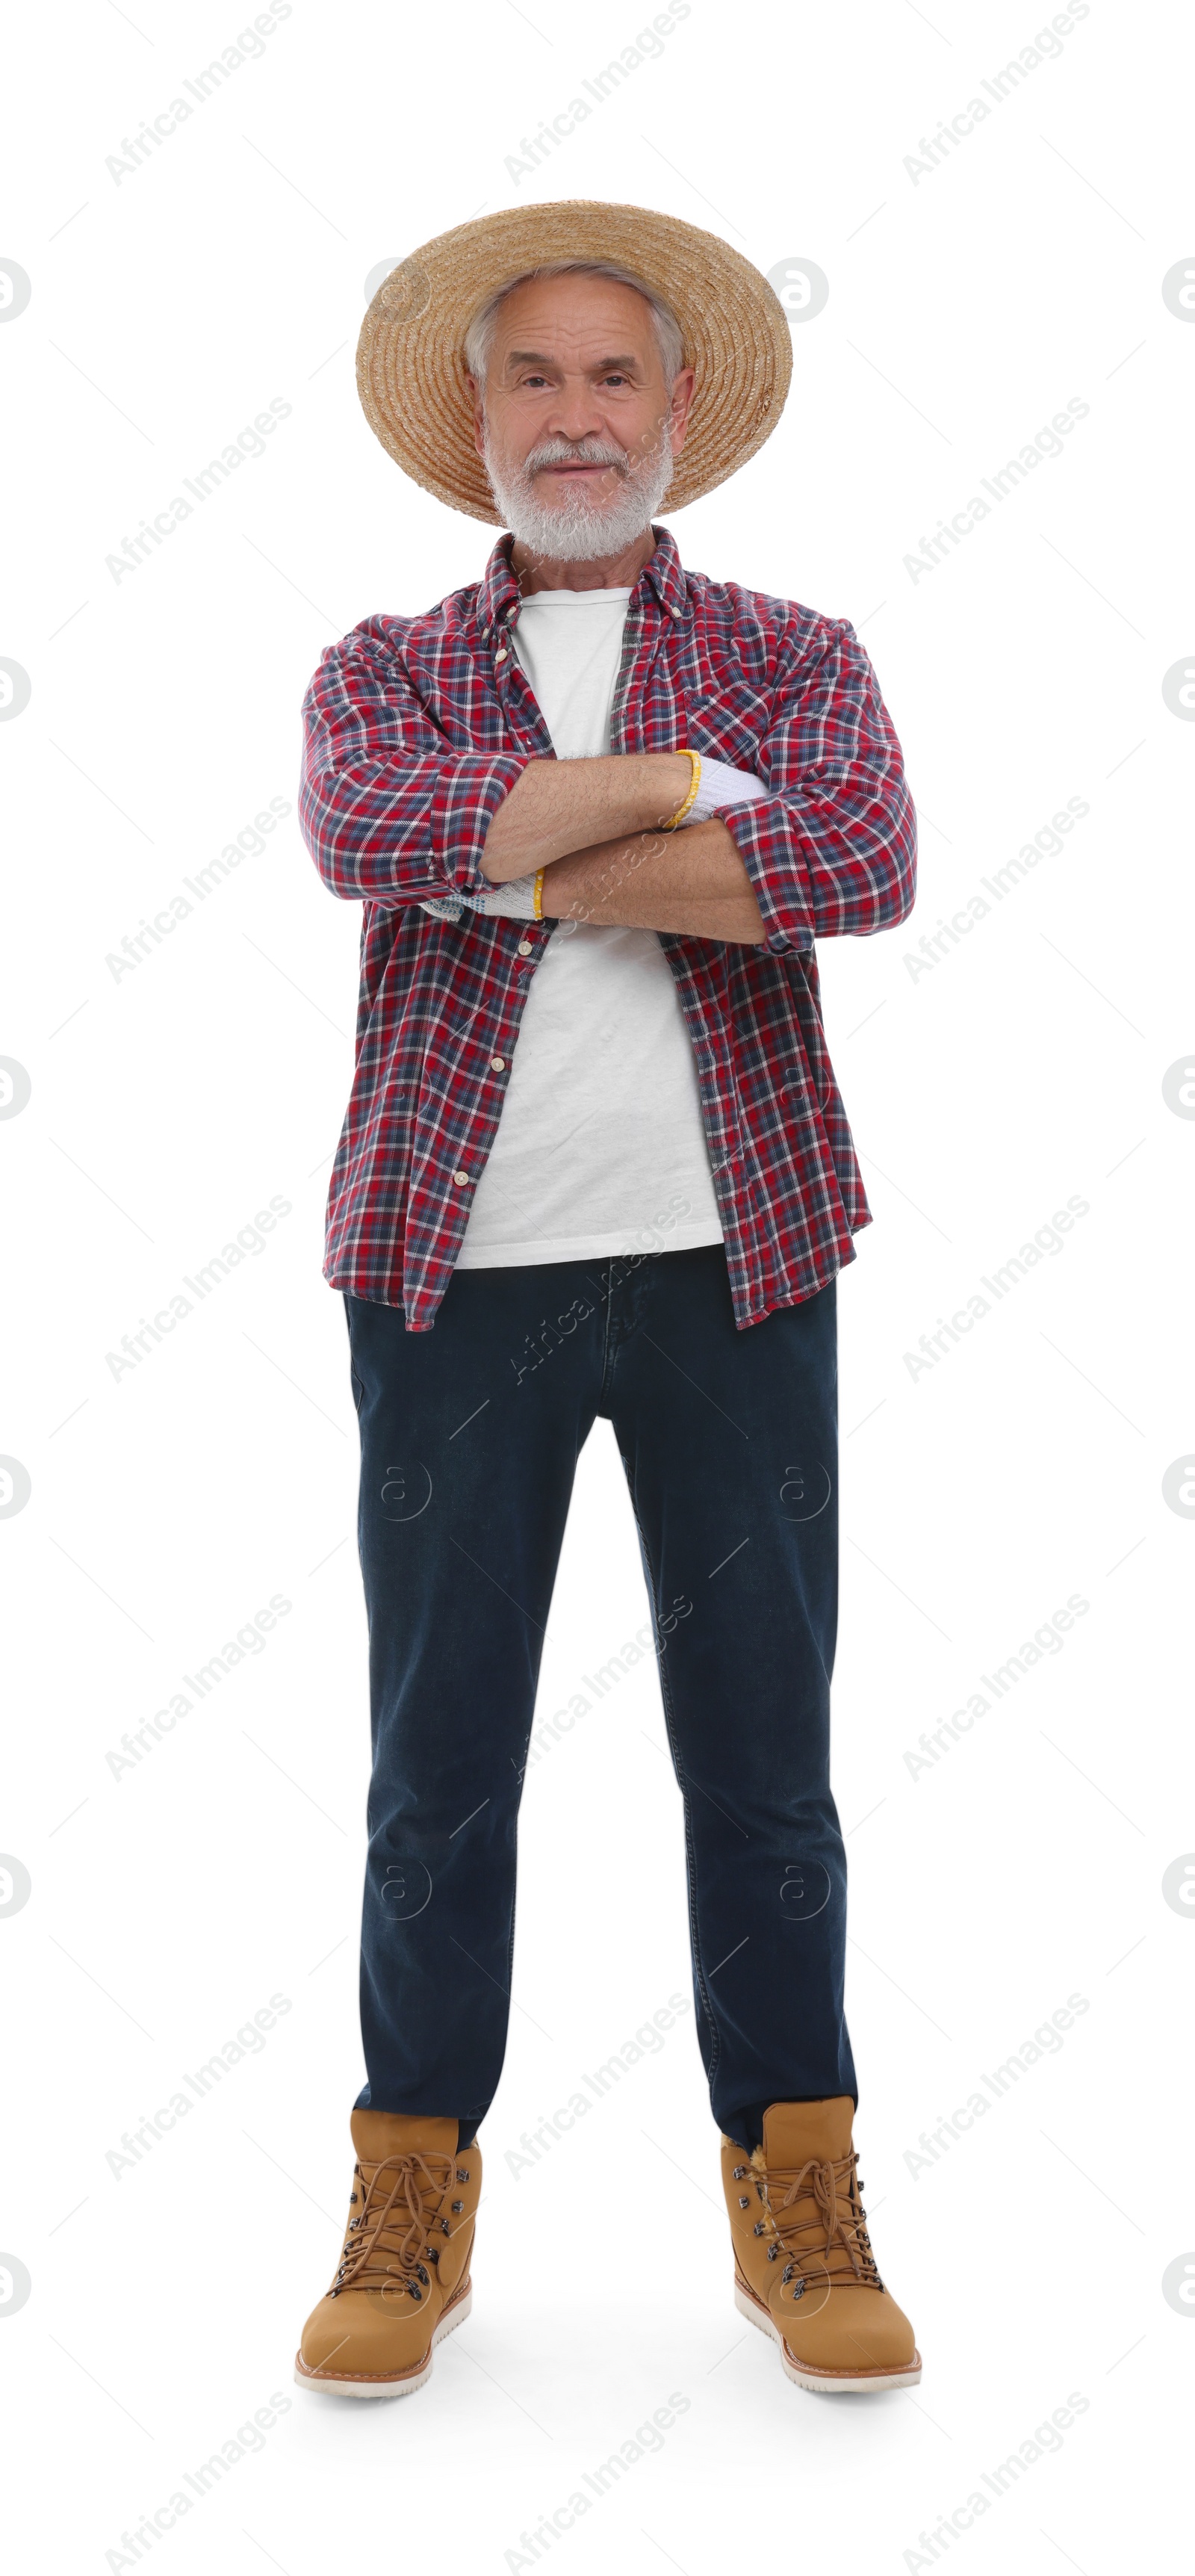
(692, 882)
(558, 806)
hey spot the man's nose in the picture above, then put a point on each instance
(575, 413)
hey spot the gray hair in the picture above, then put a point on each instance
(479, 338)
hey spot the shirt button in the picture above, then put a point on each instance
(461, 1179)
(500, 655)
(525, 947)
(497, 1064)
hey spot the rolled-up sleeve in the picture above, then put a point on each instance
(831, 849)
(388, 811)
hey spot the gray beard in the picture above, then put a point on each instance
(577, 530)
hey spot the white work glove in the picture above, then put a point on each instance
(722, 785)
(515, 901)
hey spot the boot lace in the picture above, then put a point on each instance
(388, 2244)
(816, 2223)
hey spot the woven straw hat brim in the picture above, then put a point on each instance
(410, 362)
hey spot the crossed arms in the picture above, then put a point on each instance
(393, 813)
(594, 827)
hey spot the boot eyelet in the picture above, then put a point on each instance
(458, 2205)
(759, 2228)
(744, 2202)
(462, 2173)
(738, 2173)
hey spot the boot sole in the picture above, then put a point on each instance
(822, 2382)
(401, 2383)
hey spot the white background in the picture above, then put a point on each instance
(967, 305)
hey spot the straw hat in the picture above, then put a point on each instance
(410, 362)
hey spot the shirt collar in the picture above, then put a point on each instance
(663, 576)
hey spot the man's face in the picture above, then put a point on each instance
(579, 427)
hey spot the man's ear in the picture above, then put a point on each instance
(478, 415)
(681, 405)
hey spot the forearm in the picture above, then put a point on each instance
(692, 882)
(560, 806)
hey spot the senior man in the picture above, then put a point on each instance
(597, 809)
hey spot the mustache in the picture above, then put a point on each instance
(581, 451)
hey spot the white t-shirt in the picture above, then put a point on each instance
(600, 1148)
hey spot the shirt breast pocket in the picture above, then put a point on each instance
(730, 727)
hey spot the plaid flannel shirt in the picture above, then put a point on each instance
(416, 729)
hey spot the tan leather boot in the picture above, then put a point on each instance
(403, 2281)
(803, 2266)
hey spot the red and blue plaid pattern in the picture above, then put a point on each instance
(415, 730)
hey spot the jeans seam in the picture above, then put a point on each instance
(609, 1349)
(510, 1946)
(681, 1776)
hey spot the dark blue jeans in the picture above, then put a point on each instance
(470, 1436)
